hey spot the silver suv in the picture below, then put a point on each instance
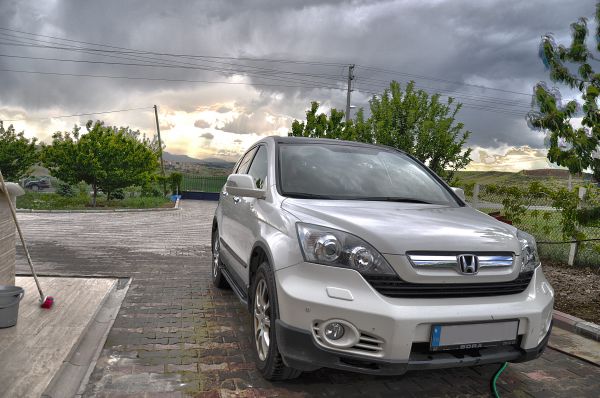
(359, 257)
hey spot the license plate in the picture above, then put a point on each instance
(473, 335)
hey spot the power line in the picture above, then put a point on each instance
(512, 112)
(493, 100)
(258, 72)
(191, 56)
(466, 105)
(80, 114)
(167, 80)
(208, 69)
(158, 61)
(253, 59)
(382, 84)
(453, 94)
(393, 72)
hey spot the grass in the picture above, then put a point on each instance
(53, 201)
(546, 226)
(508, 178)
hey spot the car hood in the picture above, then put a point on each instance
(397, 228)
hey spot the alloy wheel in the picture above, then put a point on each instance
(215, 255)
(262, 320)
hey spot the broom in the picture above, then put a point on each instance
(45, 301)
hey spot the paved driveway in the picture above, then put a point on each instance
(176, 334)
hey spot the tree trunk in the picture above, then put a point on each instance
(95, 188)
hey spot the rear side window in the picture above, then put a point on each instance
(243, 166)
(258, 169)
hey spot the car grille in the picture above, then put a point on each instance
(393, 286)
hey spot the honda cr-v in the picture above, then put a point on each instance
(359, 257)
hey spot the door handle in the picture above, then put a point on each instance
(237, 199)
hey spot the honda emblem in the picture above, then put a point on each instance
(468, 264)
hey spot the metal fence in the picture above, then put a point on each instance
(544, 222)
(197, 183)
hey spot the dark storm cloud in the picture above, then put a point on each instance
(224, 109)
(208, 136)
(201, 124)
(167, 126)
(258, 122)
(237, 126)
(493, 43)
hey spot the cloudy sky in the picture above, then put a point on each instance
(225, 73)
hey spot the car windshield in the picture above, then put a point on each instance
(338, 171)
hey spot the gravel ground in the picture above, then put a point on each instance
(577, 290)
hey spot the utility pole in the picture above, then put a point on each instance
(350, 78)
(160, 151)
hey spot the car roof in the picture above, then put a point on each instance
(306, 140)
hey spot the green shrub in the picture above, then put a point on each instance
(65, 189)
(117, 194)
(175, 180)
(53, 201)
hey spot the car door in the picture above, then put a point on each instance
(242, 222)
(229, 228)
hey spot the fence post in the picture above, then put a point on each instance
(575, 245)
(475, 202)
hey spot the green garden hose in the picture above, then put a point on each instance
(493, 388)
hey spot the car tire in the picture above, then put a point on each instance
(218, 279)
(265, 311)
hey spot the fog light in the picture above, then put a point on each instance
(334, 331)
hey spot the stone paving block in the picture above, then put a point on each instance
(176, 335)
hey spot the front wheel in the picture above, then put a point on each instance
(264, 313)
(218, 279)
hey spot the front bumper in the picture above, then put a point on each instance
(300, 351)
(402, 326)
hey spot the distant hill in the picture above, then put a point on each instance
(522, 178)
(211, 162)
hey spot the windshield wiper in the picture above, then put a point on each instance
(393, 199)
(303, 195)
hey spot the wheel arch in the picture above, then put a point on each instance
(260, 253)
(215, 226)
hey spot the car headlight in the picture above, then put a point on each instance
(530, 259)
(329, 246)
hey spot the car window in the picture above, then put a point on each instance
(333, 171)
(243, 166)
(258, 168)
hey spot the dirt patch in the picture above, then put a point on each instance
(577, 290)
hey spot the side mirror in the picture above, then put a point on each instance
(460, 193)
(243, 185)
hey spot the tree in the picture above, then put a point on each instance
(413, 121)
(107, 158)
(319, 125)
(17, 153)
(576, 148)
